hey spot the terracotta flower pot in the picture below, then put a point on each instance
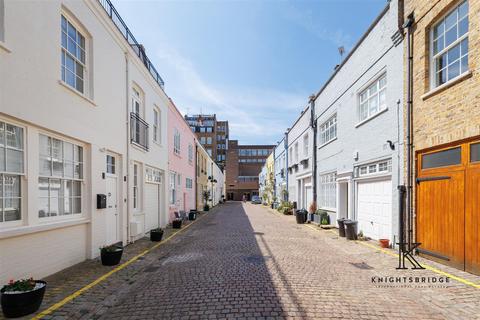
(384, 243)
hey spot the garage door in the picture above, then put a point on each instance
(151, 206)
(374, 209)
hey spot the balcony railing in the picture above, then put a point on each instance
(138, 131)
(138, 48)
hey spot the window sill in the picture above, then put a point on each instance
(446, 85)
(329, 209)
(63, 84)
(25, 230)
(371, 117)
(4, 47)
(326, 143)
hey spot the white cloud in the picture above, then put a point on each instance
(255, 115)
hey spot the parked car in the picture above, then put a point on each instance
(256, 200)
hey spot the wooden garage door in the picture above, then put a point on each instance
(447, 206)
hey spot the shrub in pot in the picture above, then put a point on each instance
(156, 234)
(177, 224)
(111, 255)
(22, 297)
(206, 207)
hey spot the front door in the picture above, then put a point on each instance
(112, 221)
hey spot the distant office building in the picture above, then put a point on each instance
(243, 165)
(212, 135)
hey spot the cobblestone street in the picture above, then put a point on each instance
(244, 261)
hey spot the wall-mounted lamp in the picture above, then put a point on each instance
(391, 144)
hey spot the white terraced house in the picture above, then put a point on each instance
(82, 113)
(360, 131)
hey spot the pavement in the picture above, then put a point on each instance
(243, 261)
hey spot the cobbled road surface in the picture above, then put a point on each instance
(245, 262)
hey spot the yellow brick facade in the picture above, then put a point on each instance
(452, 113)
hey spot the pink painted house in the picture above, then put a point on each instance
(181, 163)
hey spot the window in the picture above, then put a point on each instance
(137, 102)
(110, 164)
(475, 152)
(176, 142)
(209, 129)
(190, 154)
(60, 177)
(328, 190)
(373, 99)
(172, 187)
(296, 152)
(11, 166)
(156, 125)
(449, 46)
(73, 56)
(375, 168)
(153, 175)
(188, 183)
(290, 154)
(328, 130)
(135, 187)
(443, 158)
(305, 145)
(202, 129)
(209, 140)
(209, 151)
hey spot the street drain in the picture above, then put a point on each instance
(151, 269)
(361, 265)
(259, 233)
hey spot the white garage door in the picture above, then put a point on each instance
(374, 209)
(151, 206)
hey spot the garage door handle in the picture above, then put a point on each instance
(432, 178)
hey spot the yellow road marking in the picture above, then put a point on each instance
(77, 293)
(428, 267)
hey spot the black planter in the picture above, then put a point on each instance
(206, 208)
(111, 258)
(176, 224)
(22, 304)
(192, 215)
(156, 235)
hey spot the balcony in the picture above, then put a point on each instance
(138, 131)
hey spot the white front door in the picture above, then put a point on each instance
(152, 206)
(112, 223)
(308, 197)
(374, 209)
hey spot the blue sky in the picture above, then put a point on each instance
(253, 63)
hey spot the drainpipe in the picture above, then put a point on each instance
(285, 145)
(196, 173)
(313, 124)
(409, 26)
(127, 115)
(274, 177)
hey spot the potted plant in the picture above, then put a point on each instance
(192, 215)
(156, 234)
(206, 207)
(384, 243)
(324, 218)
(22, 297)
(311, 211)
(177, 224)
(111, 254)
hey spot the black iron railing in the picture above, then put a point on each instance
(138, 48)
(138, 131)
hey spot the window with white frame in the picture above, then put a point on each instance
(328, 190)
(153, 175)
(384, 166)
(449, 46)
(110, 164)
(305, 145)
(172, 183)
(137, 98)
(209, 140)
(188, 183)
(156, 125)
(176, 141)
(296, 151)
(209, 151)
(190, 154)
(373, 99)
(11, 169)
(73, 56)
(136, 183)
(60, 177)
(328, 130)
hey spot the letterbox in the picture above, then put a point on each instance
(101, 201)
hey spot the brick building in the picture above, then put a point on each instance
(442, 81)
(243, 164)
(212, 134)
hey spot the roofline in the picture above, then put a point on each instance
(370, 28)
(298, 119)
